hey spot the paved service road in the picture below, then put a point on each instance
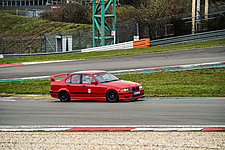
(182, 57)
(142, 112)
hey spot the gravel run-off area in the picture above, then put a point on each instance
(112, 140)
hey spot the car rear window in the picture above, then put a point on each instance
(73, 79)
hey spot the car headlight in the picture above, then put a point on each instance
(125, 90)
(140, 87)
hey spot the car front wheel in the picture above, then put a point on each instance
(112, 96)
(64, 96)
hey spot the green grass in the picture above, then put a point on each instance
(12, 11)
(205, 82)
(70, 56)
(12, 25)
(26, 87)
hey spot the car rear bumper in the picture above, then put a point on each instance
(54, 94)
(131, 95)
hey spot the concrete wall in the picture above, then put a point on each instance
(126, 45)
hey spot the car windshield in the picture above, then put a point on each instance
(104, 77)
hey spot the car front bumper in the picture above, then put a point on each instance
(131, 95)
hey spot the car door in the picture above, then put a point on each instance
(91, 91)
(73, 84)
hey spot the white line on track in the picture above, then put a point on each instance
(7, 100)
(167, 129)
(38, 129)
(47, 62)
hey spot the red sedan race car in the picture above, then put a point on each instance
(94, 85)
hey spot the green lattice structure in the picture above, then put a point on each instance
(104, 18)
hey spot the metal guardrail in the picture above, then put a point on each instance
(212, 35)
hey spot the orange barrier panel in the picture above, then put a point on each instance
(141, 43)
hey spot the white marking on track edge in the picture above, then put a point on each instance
(8, 100)
(167, 129)
(46, 62)
(37, 129)
(27, 78)
(30, 78)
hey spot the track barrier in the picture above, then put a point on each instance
(141, 43)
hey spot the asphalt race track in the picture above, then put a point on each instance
(141, 112)
(182, 57)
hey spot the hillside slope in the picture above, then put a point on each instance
(12, 25)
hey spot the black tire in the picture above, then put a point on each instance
(112, 96)
(64, 96)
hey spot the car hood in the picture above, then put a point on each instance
(121, 84)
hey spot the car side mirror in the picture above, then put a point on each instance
(94, 82)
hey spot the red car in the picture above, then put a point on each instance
(94, 85)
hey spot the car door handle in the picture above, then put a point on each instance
(67, 85)
(83, 86)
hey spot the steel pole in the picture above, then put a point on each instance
(93, 19)
(102, 22)
(198, 11)
(114, 21)
(193, 16)
(206, 9)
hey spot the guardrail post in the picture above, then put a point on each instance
(137, 25)
(117, 35)
(79, 39)
(3, 45)
(61, 42)
(45, 44)
(21, 44)
(40, 43)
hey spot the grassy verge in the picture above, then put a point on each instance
(205, 82)
(161, 48)
(13, 26)
(12, 11)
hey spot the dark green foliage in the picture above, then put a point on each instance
(70, 13)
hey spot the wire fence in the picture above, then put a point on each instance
(177, 26)
(129, 30)
(46, 43)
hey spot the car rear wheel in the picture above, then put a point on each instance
(112, 96)
(64, 96)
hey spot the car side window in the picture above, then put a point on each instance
(68, 80)
(87, 79)
(74, 79)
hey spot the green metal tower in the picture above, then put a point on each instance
(104, 19)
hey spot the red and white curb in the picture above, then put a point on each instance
(116, 128)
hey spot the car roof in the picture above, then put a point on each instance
(89, 72)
